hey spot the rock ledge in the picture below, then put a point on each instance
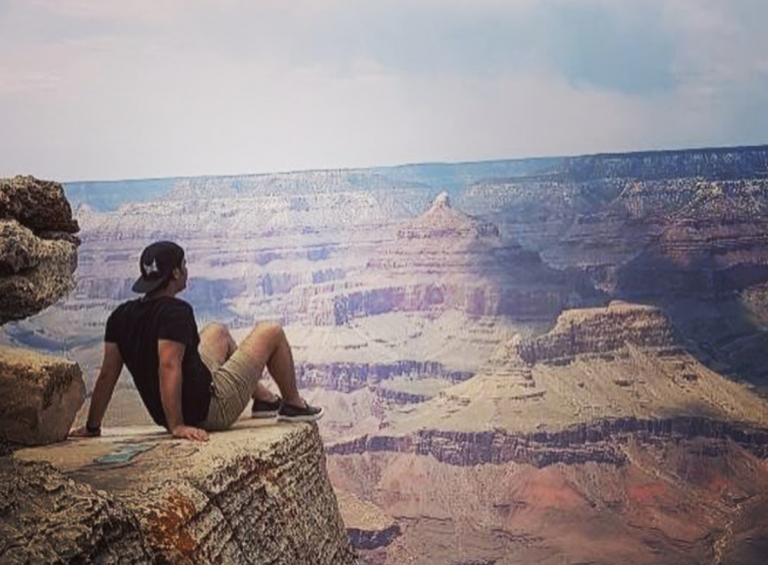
(255, 494)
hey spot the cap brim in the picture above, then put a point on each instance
(144, 286)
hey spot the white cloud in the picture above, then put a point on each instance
(104, 89)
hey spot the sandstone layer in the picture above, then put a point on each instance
(254, 494)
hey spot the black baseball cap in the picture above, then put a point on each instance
(157, 263)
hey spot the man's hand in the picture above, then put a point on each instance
(83, 432)
(188, 432)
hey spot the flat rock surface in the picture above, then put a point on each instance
(124, 458)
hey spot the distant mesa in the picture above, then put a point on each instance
(598, 331)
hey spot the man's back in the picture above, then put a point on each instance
(136, 327)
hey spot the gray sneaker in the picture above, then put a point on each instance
(265, 408)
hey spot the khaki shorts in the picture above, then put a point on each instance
(232, 390)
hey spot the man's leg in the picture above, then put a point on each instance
(268, 345)
(218, 345)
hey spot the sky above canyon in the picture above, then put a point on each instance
(108, 89)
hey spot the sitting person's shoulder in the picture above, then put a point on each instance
(120, 308)
(177, 304)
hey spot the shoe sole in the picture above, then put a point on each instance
(263, 415)
(310, 418)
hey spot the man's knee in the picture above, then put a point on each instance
(216, 331)
(271, 332)
(273, 329)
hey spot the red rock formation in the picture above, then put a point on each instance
(677, 501)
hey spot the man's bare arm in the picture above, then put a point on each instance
(111, 366)
(171, 354)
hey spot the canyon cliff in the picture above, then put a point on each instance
(550, 361)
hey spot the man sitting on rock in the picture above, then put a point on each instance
(190, 383)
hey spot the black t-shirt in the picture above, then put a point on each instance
(136, 326)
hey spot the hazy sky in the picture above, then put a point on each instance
(105, 89)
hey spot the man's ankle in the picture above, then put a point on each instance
(297, 401)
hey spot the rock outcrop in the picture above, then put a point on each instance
(621, 361)
(38, 255)
(599, 330)
(254, 494)
(38, 249)
(39, 205)
(40, 396)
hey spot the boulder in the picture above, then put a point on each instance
(34, 272)
(41, 396)
(38, 248)
(258, 493)
(40, 205)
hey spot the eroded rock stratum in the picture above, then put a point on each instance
(255, 494)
